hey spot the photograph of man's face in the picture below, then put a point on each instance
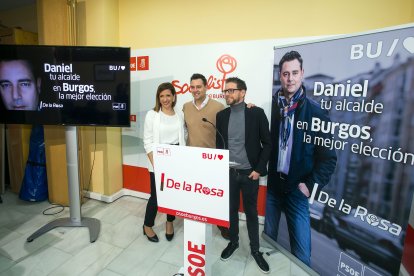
(19, 88)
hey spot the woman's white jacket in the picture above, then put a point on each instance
(152, 131)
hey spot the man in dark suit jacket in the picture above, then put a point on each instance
(295, 166)
(246, 135)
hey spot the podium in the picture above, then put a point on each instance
(193, 183)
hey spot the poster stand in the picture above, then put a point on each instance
(75, 219)
(198, 242)
(200, 197)
(278, 248)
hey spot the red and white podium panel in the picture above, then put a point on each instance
(193, 183)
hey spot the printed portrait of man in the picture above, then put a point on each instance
(19, 85)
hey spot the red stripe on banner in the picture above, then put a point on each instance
(408, 253)
(136, 179)
(194, 217)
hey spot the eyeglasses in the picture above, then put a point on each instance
(230, 91)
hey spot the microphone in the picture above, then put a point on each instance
(221, 136)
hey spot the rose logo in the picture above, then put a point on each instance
(226, 64)
(372, 219)
(206, 190)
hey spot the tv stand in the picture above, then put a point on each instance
(75, 219)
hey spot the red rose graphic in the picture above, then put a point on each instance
(206, 190)
(226, 64)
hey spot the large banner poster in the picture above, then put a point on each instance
(366, 85)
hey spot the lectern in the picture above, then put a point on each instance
(193, 183)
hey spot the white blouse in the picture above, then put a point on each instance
(169, 128)
(160, 128)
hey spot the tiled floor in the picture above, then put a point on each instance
(121, 248)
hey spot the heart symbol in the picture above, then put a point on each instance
(123, 67)
(220, 156)
(409, 44)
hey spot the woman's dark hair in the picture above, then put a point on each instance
(162, 87)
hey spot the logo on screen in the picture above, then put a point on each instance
(118, 106)
(143, 63)
(116, 67)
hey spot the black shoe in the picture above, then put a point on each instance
(229, 251)
(261, 262)
(151, 239)
(169, 237)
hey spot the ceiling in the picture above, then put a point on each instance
(13, 4)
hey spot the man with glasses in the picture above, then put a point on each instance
(200, 119)
(246, 136)
(295, 166)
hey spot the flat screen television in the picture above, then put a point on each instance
(64, 85)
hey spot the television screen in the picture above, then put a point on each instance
(64, 85)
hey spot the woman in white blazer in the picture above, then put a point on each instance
(163, 125)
